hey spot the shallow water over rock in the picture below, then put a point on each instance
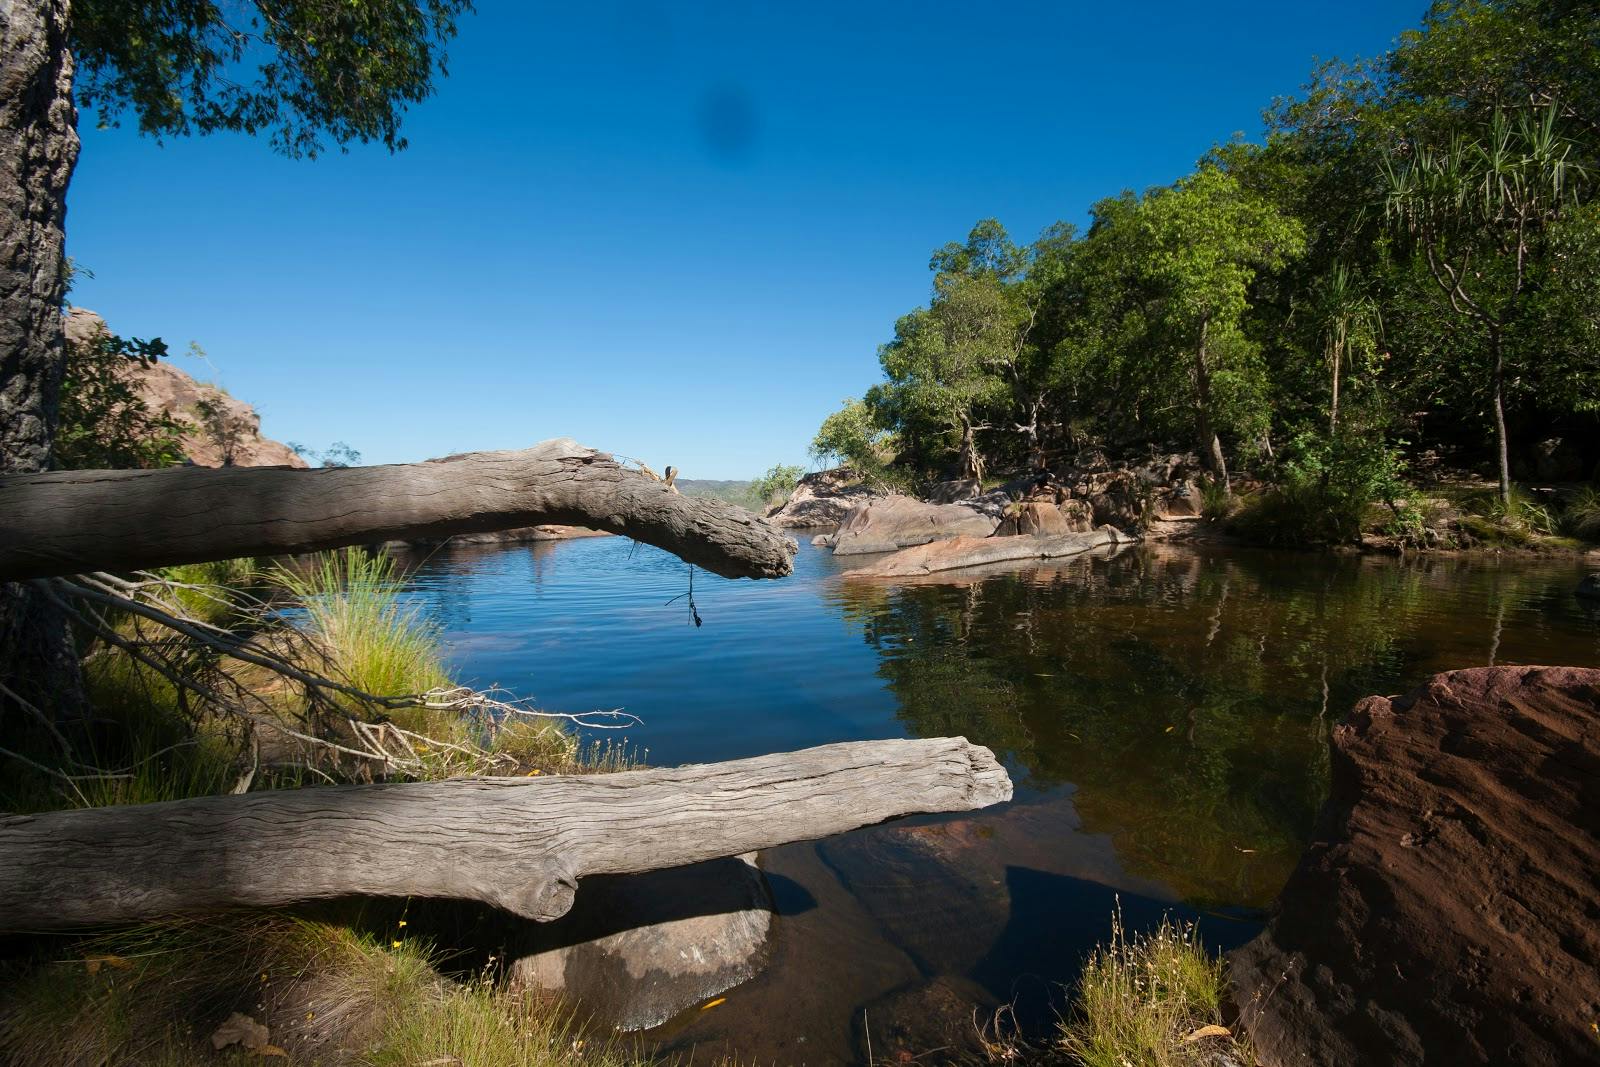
(1163, 711)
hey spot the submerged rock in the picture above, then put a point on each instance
(1448, 912)
(892, 522)
(637, 949)
(1589, 588)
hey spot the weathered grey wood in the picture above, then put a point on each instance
(519, 843)
(68, 522)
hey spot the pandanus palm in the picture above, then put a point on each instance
(1350, 321)
(1477, 213)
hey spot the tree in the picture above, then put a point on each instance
(1192, 252)
(105, 423)
(1478, 214)
(950, 363)
(303, 71)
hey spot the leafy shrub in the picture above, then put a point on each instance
(775, 486)
(1325, 487)
(104, 422)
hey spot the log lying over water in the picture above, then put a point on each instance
(519, 843)
(68, 522)
(956, 553)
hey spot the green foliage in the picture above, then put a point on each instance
(104, 422)
(775, 486)
(1325, 487)
(302, 70)
(338, 454)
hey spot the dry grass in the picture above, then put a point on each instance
(327, 994)
(1150, 1000)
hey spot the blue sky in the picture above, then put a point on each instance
(673, 231)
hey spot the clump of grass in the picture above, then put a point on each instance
(1581, 515)
(373, 639)
(1149, 1000)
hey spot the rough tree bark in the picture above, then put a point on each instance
(1210, 444)
(38, 150)
(519, 843)
(68, 522)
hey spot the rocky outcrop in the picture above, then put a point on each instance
(893, 522)
(822, 499)
(1447, 912)
(1033, 518)
(235, 433)
(957, 553)
(637, 949)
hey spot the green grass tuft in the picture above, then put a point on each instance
(1145, 1001)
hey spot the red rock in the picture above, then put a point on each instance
(1449, 910)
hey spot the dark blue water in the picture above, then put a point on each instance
(1163, 711)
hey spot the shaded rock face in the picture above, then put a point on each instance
(952, 491)
(822, 499)
(893, 522)
(168, 390)
(637, 949)
(1448, 912)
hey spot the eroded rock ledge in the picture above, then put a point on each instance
(1449, 910)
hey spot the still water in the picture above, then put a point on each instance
(1163, 711)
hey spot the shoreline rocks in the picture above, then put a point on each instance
(958, 553)
(893, 522)
(1447, 912)
(822, 499)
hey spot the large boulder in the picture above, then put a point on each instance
(167, 390)
(822, 499)
(893, 522)
(637, 949)
(1448, 911)
(1033, 518)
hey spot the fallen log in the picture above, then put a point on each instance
(69, 522)
(519, 843)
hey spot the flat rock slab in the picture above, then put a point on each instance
(1449, 909)
(637, 949)
(892, 522)
(958, 552)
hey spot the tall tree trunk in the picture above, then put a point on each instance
(1333, 408)
(971, 461)
(1210, 444)
(38, 149)
(1501, 446)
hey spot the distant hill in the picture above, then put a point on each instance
(734, 492)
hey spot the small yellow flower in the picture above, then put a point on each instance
(402, 922)
(533, 772)
(395, 944)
